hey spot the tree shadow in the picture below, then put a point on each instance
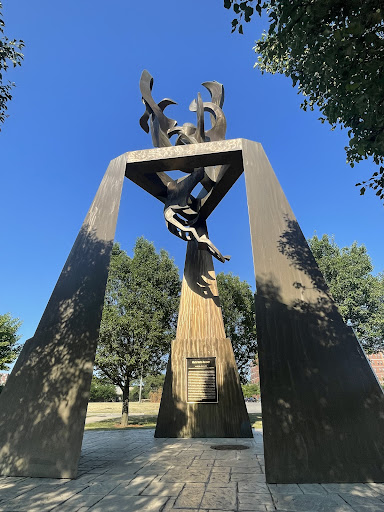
(291, 245)
(323, 408)
(43, 406)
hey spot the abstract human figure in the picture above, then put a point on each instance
(181, 208)
(180, 203)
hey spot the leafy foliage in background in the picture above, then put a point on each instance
(237, 303)
(139, 315)
(151, 383)
(10, 51)
(9, 349)
(102, 390)
(358, 294)
(334, 51)
(251, 390)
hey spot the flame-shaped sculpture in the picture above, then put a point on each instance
(181, 208)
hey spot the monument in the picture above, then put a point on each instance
(323, 408)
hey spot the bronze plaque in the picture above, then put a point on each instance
(201, 380)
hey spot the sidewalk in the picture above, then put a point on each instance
(131, 471)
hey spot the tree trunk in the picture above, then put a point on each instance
(124, 412)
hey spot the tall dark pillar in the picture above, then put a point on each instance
(323, 408)
(44, 403)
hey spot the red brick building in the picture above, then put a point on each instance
(255, 377)
(3, 378)
(377, 362)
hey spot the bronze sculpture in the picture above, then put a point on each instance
(323, 408)
(181, 208)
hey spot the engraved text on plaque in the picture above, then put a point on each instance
(201, 380)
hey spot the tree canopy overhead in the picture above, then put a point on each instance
(358, 294)
(334, 51)
(10, 52)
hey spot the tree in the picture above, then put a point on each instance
(139, 316)
(238, 310)
(151, 384)
(9, 52)
(9, 349)
(102, 390)
(334, 51)
(358, 294)
(250, 390)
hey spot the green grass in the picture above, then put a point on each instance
(146, 418)
(142, 421)
(96, 408)
(255, 419)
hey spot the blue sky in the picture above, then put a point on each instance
(77, 105)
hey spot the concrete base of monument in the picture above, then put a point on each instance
(202, 395)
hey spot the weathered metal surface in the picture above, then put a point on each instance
(182, 209)
(323, 409)
(44, 403)
(201, 334)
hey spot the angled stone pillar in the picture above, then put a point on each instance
(323, 408)
(43, 405)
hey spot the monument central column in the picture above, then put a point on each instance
(202, 395)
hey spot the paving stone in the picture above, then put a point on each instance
(114, 503)
(362, 500)
(79, 501)
(201, 464)
(112, 479)
(214, 487)
(192, 476)
(163, 489)
(368, 508)
(169, 505)
(311, 503)
(355, 489)
(254, 501)
(255, 469)
(134, 488)
(100, 487)
(258, 508)
(312, 489)
(81, 480)
(285, 489)
(190, 496)
(219, 498)
(244, 477)
(379, 488)
(219, 478)
(36, 502)
(259, 487)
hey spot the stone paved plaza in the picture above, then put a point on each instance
(131, 471)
